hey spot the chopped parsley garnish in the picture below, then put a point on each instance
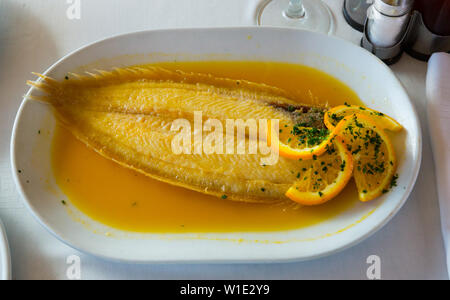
(336, 118)
(394, 180)
(310, 136)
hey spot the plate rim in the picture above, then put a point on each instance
(334, 250)
(5, 254)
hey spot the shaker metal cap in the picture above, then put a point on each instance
(393, 8)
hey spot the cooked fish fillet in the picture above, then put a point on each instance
(126, 116)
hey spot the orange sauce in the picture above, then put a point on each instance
(124, 199)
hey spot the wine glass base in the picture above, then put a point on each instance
(318, 16)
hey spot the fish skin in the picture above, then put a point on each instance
(125, 115)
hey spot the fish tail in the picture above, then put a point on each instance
(45, 99)
(45, 84)
(45, 78)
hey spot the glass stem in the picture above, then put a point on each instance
(295, 9)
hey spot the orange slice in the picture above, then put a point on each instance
(336, 114)
(296, 142)
(323, 177)
(373, 155)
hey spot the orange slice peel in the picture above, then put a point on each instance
(323, 186)
(336, 114)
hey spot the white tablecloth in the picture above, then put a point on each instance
(35, 33)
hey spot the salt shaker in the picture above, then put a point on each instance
(387, 21)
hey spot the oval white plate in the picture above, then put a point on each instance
(5, 261)
(369, 77)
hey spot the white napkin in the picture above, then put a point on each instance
(438, 107)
